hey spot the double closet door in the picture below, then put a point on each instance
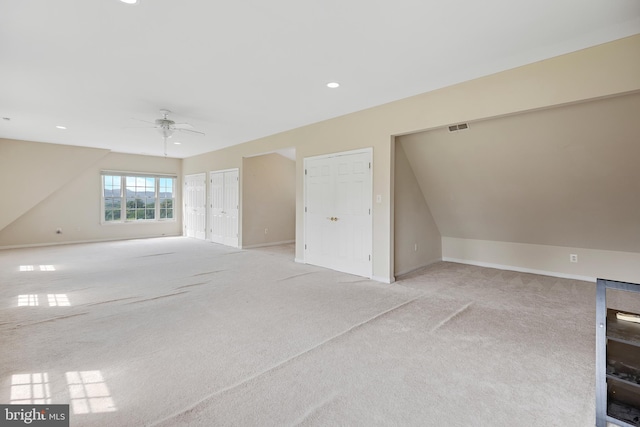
(338, 225)
(224, 207)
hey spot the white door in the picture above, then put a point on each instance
(338, 225)
(217, 207)
(195, 206)
(224, 207)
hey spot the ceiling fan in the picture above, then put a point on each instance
(167, 127)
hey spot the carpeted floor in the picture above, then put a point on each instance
(176, 331)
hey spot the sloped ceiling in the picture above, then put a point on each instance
(567, 176)
(243, 70)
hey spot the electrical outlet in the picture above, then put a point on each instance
(415, 247)
(573, 258)
(266, 230)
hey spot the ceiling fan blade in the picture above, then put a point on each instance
(190, 131)
(145, 121)
(182, 126)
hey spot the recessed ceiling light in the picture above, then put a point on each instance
(61, 127)
(129, 1)
(333, 85)
(177, 143)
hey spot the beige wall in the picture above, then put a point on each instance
(544, 259)
(268, 200)
(565, 176)
(417, 238)
(74, 204)
(31, 172)
(556, 179)
(605, 70)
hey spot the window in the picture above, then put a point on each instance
(137, 197)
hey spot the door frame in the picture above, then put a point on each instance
(305, 160)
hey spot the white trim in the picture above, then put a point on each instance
(226, 170)
(341, 153)
(264, 245)
(138, 174)
(398, 274)
(299, 260)
(520, 269)
(77, 242)
(383, 279)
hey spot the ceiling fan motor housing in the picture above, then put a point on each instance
(164, 127)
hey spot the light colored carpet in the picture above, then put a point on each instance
(176, 331)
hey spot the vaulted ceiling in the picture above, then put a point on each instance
(238, 71)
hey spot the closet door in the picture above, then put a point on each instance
(195, 206)
(231, 205)
(224, 190)
(338, 226)
(216, 188)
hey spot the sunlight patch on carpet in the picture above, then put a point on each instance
(89, 393)
(30, 389)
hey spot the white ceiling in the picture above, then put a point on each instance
(247, 69)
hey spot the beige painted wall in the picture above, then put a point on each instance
(74, 205)
(417, 239)
(31, 172)
(544, 259)
(605, 70)
(268, 200)
(527, 190)
(565, 176)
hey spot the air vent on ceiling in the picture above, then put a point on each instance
(461, 126)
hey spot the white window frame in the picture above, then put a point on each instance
(123, 197)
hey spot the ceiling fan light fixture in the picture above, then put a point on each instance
(165, 131)
(130, 1)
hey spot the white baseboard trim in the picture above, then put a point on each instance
(79, 242)
(420, 267)
(383, 279)
(520, 269)
(264, 245)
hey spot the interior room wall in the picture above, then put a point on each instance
(417, 239)
(31, 172)
(605, 70)
(268, 200)
(544, 259)
(565, 177)
(75, 204)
